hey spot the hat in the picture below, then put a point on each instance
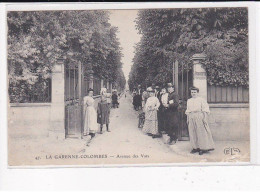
(157, 87)
(169, 85)
(149, 89)
(90, 89)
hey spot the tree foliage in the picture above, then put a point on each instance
(37, 39)
(177, 34)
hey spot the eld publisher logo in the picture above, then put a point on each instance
(231, 151)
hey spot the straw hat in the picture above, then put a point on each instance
(150, 89)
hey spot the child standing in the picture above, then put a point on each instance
(103, 112)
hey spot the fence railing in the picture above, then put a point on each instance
(24, 92)
(228, 94)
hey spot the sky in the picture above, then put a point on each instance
(128, 35)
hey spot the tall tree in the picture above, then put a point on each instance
(37, 39)
(177, 34)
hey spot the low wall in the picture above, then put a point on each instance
(29, 120)
(230, 121)
(32, 119)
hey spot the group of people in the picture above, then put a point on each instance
(93, 117)
(161, 116)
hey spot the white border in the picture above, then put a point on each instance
(252, 69)
(256, 87)
(252, 83)
(16, 176)
(118, 5)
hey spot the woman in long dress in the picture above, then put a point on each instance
(90, 115)
(197, 118)
(151, 121)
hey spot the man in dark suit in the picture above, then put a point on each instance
(139, 93)
(157, 91)
(172, 115)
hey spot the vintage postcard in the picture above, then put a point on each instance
(99, 87)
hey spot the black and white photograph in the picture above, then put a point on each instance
(128, 86)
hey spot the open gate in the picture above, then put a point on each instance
(183, 81)
(73, 100)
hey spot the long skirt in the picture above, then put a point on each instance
(104, 111)
(161, 119)
(199, 131)
(172, 123)
(139, 100)
(151, 122)
(90, 120)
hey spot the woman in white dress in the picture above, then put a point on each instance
(90, 115)
(197, 118)
(151, 121)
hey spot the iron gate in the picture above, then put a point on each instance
(73, 101)
(183, 81)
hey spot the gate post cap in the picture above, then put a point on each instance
(60, 59)
(199, 56)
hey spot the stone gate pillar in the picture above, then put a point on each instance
(57, 129)
(199, 74)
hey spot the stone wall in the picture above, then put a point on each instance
(230, 122)
(33, 120)
(29, 120)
